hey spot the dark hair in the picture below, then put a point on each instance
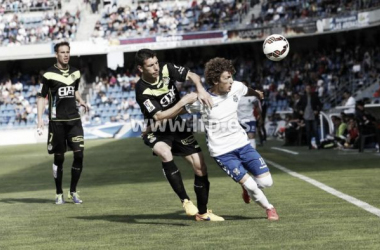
(142, 55)
(335, 117)
(56, 46)
(360, 103)
(346, 91)
(215, 67)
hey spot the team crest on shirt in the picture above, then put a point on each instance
(50, 147)
(236, 171)
(235, 98)
(166, 80)
(73, 77)
(149, 105)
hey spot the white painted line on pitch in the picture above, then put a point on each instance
(285, 150)
(350, 199)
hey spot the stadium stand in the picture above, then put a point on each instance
(112, 94)
(30, 22)
(292, 11)
(16, 6)
(168, 17)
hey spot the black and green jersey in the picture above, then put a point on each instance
(60, 86)
(163, 94)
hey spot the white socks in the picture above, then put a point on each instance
(256, 194)
(264, 182)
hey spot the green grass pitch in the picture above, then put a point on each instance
(129, 205)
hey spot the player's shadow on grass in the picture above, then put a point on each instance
(155, 219)
(239, 217)
(150, 219)
(27, 200)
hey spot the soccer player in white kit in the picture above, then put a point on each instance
(227, 141)
(246, 108)
(249, 107)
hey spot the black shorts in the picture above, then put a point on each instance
(182, 143)
(64, 136)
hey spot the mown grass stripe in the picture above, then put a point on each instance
(285, 150)
(330, 190)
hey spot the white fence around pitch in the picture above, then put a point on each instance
(273, 127)
(114, 130)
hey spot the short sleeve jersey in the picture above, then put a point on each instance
(60, 86)
(246, 108)
(223, 131)
(162, 94)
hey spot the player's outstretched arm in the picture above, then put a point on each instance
(176, 109)
(258, 94)
(203, 96)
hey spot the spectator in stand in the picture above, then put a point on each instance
(94, 6)
(51, 26)
(352, 134)
(377, 92)
(348, 102)
(294, 104)
(338, 138)
(262, 133)
(309, 107)
(367, 124)
(162, 18)
(293, 129)
(320, 88)
(290, 11)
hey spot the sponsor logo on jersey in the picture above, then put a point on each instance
(66, 92)
(77, 139)
(169, 98)
(151, 138)
(189, 140)
(149, 105)
(179, 68)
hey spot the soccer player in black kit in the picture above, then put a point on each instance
(60, 84)
(160, 102)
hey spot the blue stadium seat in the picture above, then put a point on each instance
(125, 94)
